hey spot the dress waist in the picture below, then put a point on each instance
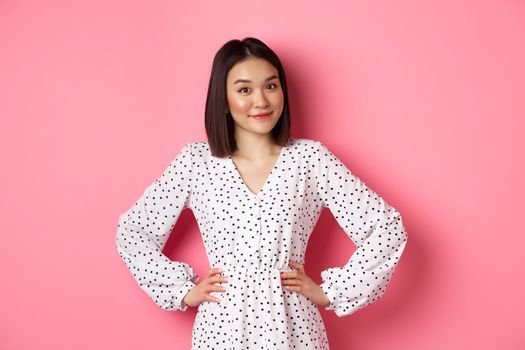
(231, 269)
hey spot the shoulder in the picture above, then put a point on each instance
(200, 152)
(307, 145)
(196, 144)
(303, 143)
(316, 149)
(196, 148)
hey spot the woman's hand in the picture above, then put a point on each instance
(298, 281)
(201, 291)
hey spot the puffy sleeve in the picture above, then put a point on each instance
(145, 227)
(375, 227)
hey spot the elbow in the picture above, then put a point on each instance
(397, 219)
(120, 229)
(402, 229)
(121, 233)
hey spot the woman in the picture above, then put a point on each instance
(257, 194)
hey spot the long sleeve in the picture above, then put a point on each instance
(375, 227)
(144, 229)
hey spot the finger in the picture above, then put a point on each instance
(212, 287)
(297, 266)
(215, 288)
(294, 282)
(288, 275)
(293, 288)
(293, 264)
(211, 298)
(214, 271)
(219, 279)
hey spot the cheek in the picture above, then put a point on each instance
(278, 99)
(238, 104)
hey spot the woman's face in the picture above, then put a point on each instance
(253, 87)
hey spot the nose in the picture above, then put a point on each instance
(260, 100)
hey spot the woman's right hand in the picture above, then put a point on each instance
(201, 291)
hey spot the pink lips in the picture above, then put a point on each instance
(262, 116)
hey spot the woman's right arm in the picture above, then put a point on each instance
(144, 229)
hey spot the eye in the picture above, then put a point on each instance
(244, 88)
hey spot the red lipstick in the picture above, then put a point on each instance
(262, 116)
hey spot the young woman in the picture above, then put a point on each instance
(257, 194)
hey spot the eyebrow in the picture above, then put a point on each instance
(249, 81)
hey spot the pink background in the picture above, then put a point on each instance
(424, 100)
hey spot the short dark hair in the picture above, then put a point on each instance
(220, 125)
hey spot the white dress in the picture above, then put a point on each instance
(252, 237)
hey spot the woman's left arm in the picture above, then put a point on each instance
(375, 227)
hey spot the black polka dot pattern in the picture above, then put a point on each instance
(373, 225)
(252, 237)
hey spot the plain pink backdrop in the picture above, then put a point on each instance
(424, 100)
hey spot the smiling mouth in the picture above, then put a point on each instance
(262, 116)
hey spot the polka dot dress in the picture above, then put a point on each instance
(252, 237)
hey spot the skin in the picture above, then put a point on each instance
(255, 157)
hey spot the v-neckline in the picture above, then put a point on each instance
(268, 178)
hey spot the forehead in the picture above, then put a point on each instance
(254, 69)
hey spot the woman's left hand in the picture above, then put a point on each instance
(298, 281)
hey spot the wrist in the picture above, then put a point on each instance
(331, 295)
